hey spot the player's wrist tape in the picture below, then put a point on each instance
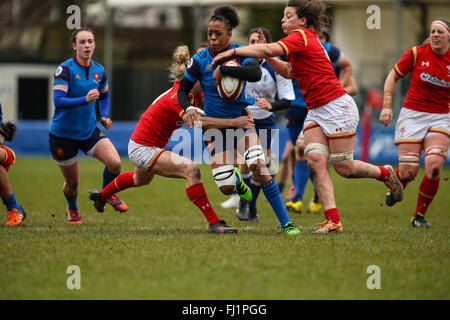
(200, 111)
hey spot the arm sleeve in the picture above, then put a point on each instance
(183, 93)
(61, 101)
(295, 42)
(406, 62)
(104, 98)
(280, 104)
(251, 71)
(334, 53)
(104, 103)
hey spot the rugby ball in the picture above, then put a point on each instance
(230, 88)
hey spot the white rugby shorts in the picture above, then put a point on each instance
(413, 126)
(338, 118)
(143, 157)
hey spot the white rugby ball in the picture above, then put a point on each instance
(230, 88)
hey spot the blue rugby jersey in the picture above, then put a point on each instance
(77, 120)
(334, 53)
(199, 68)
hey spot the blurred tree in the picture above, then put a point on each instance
(268, 17)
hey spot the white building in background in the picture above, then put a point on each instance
(18, 86)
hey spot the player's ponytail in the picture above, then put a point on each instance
(226, 14)
(180, 60)
(8, 130)
(312, 10)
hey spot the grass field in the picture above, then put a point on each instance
(160, 248)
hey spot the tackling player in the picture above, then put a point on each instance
(146, 147)
(330, 126)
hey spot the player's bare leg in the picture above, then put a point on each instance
(71, 175)
(318, 164)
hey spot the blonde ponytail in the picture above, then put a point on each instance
(180, 58)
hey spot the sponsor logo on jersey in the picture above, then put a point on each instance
(77, 77)
(425, 63)
(439, 82)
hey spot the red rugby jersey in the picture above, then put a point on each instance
(429, 90)
(311, 67)
(161, 119)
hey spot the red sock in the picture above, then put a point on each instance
(384, 173)
(427, 190)
(197, 194)
(397, 173)
(122, 182)
(332, 214)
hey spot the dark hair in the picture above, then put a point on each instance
(75, 32)
(326, 33)
(8, 130)
(226, 14)
(312, 10)
(266, 32)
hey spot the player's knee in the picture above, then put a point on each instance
(253, 156)
(344, 169)
(193, 171)
(408, 173)
(225, 178)
(72, 185)
(300, 148)
(227, 190)
(114, 166)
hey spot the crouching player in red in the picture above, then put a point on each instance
(146, 147)
(16, 214)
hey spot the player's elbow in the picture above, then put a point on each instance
(254, 72)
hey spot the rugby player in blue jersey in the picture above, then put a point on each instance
(223, 157)
(78, 83)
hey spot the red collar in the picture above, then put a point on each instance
(212, 53)
(78, 62)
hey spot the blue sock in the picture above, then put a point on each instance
(10, 202)
(255, 187)
(247, 177)
(270, 190)
(71, 201)
(108, 177)
(301, 178)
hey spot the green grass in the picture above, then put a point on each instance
(160, 248)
